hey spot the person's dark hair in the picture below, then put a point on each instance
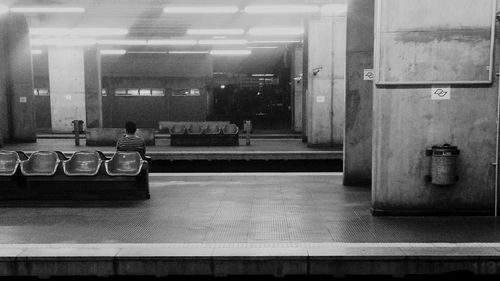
(130, 127)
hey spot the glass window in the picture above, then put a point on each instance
(158, 92)
(120, 92)
(145, 92)
(185, 92)
(43, 92)
(132, 92)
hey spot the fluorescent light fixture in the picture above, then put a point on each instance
(4, 9)
(263, 47)
(333, 9)
(222, 42)
(234, 31)
(129, 42)
(98, 31)
(276, 31)
(230, 52)
(146, 52)
(36, 52)
(281, 9)
(49, 31)
(77, 31)
(47, 10)
(188, 52)
(263, 75)
(274, 42)
(201, 10)
(63, 41)
(172, 42)
(113, 52)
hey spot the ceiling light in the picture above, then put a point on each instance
(113, 52)
(222, 42)
(98, 31)
(263, 47)
(333, 9)
(276, 31)
(230, 52)
(63, 41)
(36, 52)
(263, 75)
(236, 31)
(47, 10)
(122, 42)
(78, 31)
(49, 31)
(145, 52)
(201, 10)
(4, 9)
(274, 41)
(171, 42)
(188, 52)
(281, 9)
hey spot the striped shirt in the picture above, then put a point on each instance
(131, 143)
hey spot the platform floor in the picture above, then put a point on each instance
(260, 149)
(236, 208)
(240, 224)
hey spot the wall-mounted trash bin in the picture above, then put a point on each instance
(443, 164)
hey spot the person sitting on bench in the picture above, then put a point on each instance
(130, 141)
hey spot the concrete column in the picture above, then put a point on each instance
(359, 93)
(93, 97)
(20, 99)
(297, 91)
(305, 83)
(4, 131)
(326, 68)
(406, 120)
(67, 87)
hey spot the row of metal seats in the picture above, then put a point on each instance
(82, 163)
(86, 175)
(202, 128)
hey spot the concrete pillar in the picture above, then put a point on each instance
(20, 99)
(4, 131)
(406, 120)
(67, 87)
(93, 97)
(359, 93)
(297, 91)
(326, 69)
(305, 83)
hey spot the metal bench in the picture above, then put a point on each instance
(124, 163)
(9, 162)
(41, 163)
(82, 163)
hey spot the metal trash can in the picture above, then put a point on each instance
(247, 128)
(77, 130)
(444, 164)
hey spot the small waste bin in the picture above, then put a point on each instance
(77, 130)
(444, 164)
(247, 128)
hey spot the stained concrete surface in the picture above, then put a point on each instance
(235, 208)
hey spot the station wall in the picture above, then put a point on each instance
(406, 120)
(142, 71)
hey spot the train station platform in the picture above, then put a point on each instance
(276, 224)
(260, 149)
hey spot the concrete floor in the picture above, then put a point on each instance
(236, 208)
